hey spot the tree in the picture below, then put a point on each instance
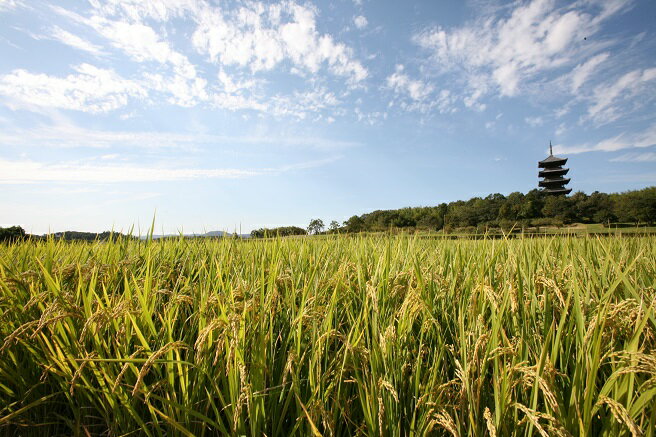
(354, 224)
(11, 234)
(315, 226)
(283, 231)
(334, 226)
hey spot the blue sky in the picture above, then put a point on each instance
(224, 115)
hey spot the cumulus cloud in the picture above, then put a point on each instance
(261, 36)
(255, 35)
(90, 89)
(418, 95)
(401, 83)
(503, 54)
(249, 38)
(360, 21)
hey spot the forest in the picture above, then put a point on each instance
(534, 208)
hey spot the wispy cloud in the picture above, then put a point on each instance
(636, 157)
(360, 21)
(90, 89)
(582, 71)
(27, 171)
(6, 5)
(71, 40)
(502, 54)
(418, 95)
(534, 121)
(646, 138)
(72, 136)
(609, 99)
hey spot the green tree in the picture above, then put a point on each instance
(315, 226)
(354, 224)
(13, 233)
(334, 226)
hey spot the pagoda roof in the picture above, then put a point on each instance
(553, 171)
(553, 160)
(554, 182)
(557, 190)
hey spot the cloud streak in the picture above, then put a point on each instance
(71, 136)
(646, 138)
(27, 171)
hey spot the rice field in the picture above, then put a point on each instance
(378, 335)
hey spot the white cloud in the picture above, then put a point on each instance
(402, 84)
(421, 94)
(26, 171)
(584, 70)
(142, 43)
(6, 5)
(67, 38)
(504, 54)
(17, 172)
(302, 104)
(71, 136)
(261, 36)
(636, 157)
(255, 36)
(136, 10)
(534, 121)
(360, 21)
(608, 98)
(646, 138)
(91, 89)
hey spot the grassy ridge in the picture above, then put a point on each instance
(335, 336)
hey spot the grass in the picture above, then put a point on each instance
(378, 335)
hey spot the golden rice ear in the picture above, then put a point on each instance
(336, 336)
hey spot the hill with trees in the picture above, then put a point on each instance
(496, 211)
(534, 208)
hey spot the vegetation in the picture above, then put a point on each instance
(346, 335)
(13, 233)
(315, 226)
(515, 210)
(284, 231)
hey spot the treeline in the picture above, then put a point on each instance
(534, 208)
(16, 233)
(283, 231)
(13, 233)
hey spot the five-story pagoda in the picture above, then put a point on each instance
(552, 174)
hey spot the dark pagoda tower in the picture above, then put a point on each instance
(552, 174)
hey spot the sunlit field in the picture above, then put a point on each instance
(329, 336)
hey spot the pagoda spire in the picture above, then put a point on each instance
(550, 149)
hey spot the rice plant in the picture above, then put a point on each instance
(382, 335)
